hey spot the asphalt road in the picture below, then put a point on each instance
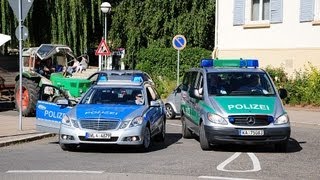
(177, 158)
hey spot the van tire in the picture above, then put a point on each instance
(186, 133)
(204, 143)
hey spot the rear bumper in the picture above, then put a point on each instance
(227, 135)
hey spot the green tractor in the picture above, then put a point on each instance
(47, 65)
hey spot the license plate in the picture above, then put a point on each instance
(98, 135)
(251, 132)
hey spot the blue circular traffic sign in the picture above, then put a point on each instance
(179, 42)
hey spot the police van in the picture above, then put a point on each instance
(233, 101)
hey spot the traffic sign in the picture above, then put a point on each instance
(103, 49)
(25, 7)
(179, 42)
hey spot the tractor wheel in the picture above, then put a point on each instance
(30, 91)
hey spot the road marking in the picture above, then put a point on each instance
(223, 178)
(255, 162)
(174, 124)
(55, 171)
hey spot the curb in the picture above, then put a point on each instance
(23, 139)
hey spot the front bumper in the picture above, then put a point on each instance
(118, 136)
(231, 135)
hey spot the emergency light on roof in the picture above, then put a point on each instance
(241, 63)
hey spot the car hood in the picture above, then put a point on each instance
(110, 111)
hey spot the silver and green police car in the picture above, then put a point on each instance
(233, 101)
(116, 112)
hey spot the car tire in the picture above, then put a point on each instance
(281, 147)
(170, 114)
(204, 143)
(146, 144)
(68, 147)
(186, 133)
(162, 135)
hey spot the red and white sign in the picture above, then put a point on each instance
(103, 49)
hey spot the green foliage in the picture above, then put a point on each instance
(161, 64)
(303, 87)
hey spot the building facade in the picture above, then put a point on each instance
(280, 33)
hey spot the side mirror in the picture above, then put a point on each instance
(283, 93)
(196, 93)
(154, 104)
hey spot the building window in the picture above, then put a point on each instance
(260, 10)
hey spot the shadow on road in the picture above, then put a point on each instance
(293, 146)
(171, 138)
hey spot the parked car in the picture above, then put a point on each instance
(120, 112)
(173, 103)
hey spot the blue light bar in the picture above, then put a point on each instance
(241, 63)
(206, 63)
(251, 63)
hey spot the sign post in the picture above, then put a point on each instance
(103, 50)
(20, 9)
(179, 42)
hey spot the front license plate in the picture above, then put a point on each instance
(251, 132)
(98, 135)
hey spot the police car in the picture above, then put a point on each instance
(233, 101)
(117, 112)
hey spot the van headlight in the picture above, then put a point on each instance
(283, 119)
(217, 119)
(136, 121)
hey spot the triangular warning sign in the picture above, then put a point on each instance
(103, 49)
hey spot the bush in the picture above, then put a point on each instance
(161, 64)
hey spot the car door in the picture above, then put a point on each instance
(154, 113)
(50, 109)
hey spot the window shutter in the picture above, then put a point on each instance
(238, 12)
(306, 10)
(276, 11)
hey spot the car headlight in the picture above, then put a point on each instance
(283, 119)
(66, 120)
(136, 121)
(217, 119)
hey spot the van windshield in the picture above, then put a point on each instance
(239, 84)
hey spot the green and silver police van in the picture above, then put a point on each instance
(233, 101)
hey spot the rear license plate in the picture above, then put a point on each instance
(98, 135)
(251, 132)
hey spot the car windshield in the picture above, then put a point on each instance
(109, 95)
(239, 84)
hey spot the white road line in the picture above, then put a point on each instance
(174, 124)
(255, 161)
(223, 178)
(55, 171)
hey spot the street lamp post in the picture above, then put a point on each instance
(105, 8)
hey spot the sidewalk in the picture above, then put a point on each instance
(9, 127)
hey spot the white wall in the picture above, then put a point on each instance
(288, 34)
